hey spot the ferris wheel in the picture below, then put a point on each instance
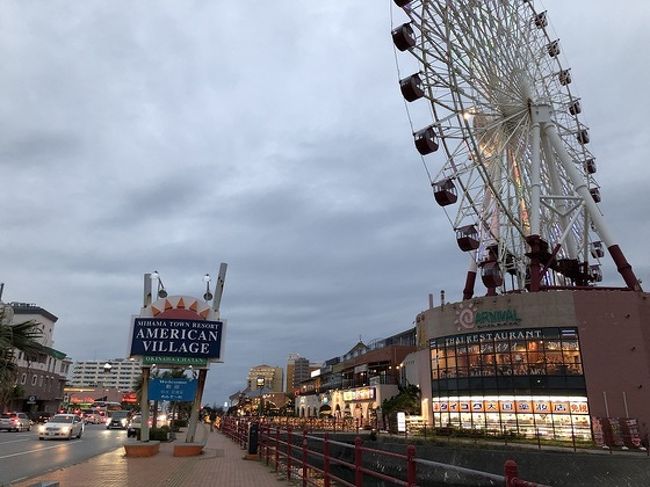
(515, 175)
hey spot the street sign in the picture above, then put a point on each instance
(401, 422)
(172, 389)
(163, 360)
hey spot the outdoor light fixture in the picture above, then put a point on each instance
(161, 287)
(208, 295)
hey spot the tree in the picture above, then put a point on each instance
(24, 337)
(407, 401)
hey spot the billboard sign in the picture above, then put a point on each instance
(180, 338)
(182, 389)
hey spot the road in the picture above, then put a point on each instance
(22, 455)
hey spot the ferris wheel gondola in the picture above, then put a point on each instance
(516, 168)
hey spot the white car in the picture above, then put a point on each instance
(14, 422)
(62, 426)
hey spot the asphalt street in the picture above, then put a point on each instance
(22, 455)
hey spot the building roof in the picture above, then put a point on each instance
(32, 309)
(54, 353)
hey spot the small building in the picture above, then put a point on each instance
(40, 380)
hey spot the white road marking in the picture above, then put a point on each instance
(14, 441)
(31, 451)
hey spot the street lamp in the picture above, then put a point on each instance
(107, 370)
(207, 295)
(261, 381)
(162, 293)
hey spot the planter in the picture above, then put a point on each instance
(135, 449)
(188, 449)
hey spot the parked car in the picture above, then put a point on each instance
(62, 426)
(15, 422)
(118, 420)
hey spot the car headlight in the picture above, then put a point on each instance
(108, 420)
(41, 429)
(65, 429)
(124, 421)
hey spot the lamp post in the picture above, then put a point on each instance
(261, 381)
(107, 370)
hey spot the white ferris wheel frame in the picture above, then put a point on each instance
(503, 112)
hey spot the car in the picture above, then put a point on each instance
(65, 426)
(134, 426)
(41, 417)
(118, 420)
(15, 422)
(92, 417)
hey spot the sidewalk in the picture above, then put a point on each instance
(221, 464)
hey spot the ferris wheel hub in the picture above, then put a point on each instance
(540, 113)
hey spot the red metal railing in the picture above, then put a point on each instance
(308, 458)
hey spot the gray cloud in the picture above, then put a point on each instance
(159, 135)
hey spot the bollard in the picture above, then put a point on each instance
(358, 462)
(326, 461)
(510, 473)
(410, 466)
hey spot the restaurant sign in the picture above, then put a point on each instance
(360, 394)
(469, 318)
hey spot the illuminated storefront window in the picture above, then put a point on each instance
(526, 381)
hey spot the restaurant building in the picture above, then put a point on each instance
(558, 364)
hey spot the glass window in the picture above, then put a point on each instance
(552, 345)
(519, 346)
(474, 349)
(34, 379)
(548, 333)
(487, 367)
(487, 347)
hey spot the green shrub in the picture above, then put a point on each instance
(160, 434)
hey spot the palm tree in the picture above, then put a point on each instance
(23, 337)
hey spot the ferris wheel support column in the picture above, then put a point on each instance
(580, 186)
(535, 183)
(533, 239)
(470, 280)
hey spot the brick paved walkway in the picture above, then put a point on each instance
(221, 464)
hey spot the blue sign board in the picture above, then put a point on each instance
(177, 338)
(172, 389)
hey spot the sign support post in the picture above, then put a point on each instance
(196, 407)
(144, 394)
(144, 404)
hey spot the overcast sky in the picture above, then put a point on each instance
(172, 136)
